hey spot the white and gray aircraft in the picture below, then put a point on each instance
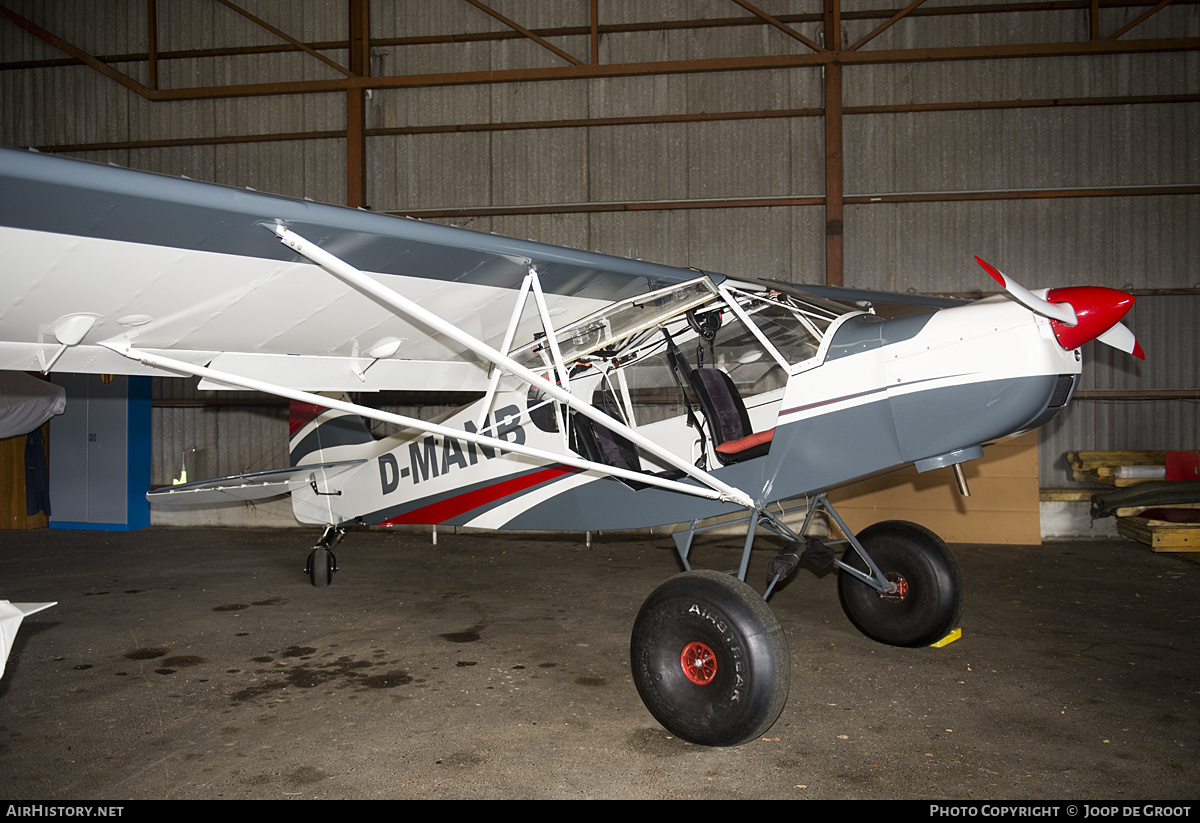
(613, 393)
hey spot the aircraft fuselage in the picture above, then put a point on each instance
(928, 389)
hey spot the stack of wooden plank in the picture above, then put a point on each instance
(1175, 529)
(1106, 466)
(1163, 514)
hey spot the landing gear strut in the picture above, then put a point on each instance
(709, 657)
(322, 562)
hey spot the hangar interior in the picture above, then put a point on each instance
(837, 142)
(1058, 138)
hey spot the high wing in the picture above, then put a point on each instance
(882, 303)
(95, 252)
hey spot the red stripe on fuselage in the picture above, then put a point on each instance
(443, 510)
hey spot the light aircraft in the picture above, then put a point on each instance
(615, 393)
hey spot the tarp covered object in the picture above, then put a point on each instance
(26, 402)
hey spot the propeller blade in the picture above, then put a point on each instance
(1078, 313)
(1062, 312)
(1120, 337)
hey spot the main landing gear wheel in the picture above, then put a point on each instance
(928, 599)
(321, 566)
(710, 660)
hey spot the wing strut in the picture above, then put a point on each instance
(531, 282)
(731, 300)
(509, 334)
(398, 302)
(169, 364)
(548, 325)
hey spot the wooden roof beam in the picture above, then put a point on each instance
(293, 41)
(76, 52)
(1137, 20)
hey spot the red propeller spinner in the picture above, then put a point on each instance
(1077, 314)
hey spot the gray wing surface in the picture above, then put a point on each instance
(885, 303)
(193, 269)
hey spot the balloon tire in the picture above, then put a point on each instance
(748, 690)
(932, 603)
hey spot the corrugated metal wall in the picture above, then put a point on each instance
(1142, 241)
(73, 104)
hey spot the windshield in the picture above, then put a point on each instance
(788, 328)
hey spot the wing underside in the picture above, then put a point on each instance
(96, 253)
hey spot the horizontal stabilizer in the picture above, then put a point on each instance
(252, 486)
(11, 615)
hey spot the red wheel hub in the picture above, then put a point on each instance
(901, 587)
(699, 663)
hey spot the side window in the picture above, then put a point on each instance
(783, 327)
(541, 409)
(653, 391)
(738, 353)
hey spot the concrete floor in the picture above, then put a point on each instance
(199, 663)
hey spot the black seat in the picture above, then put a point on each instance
(602, 445)
(728, 422)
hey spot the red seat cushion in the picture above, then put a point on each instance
(739, 446)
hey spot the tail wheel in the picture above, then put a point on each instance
(926, 602)
(710, 660)
(321, 566)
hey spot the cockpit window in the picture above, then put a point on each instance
(784, 327)
(792, 327)
(619, 322)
